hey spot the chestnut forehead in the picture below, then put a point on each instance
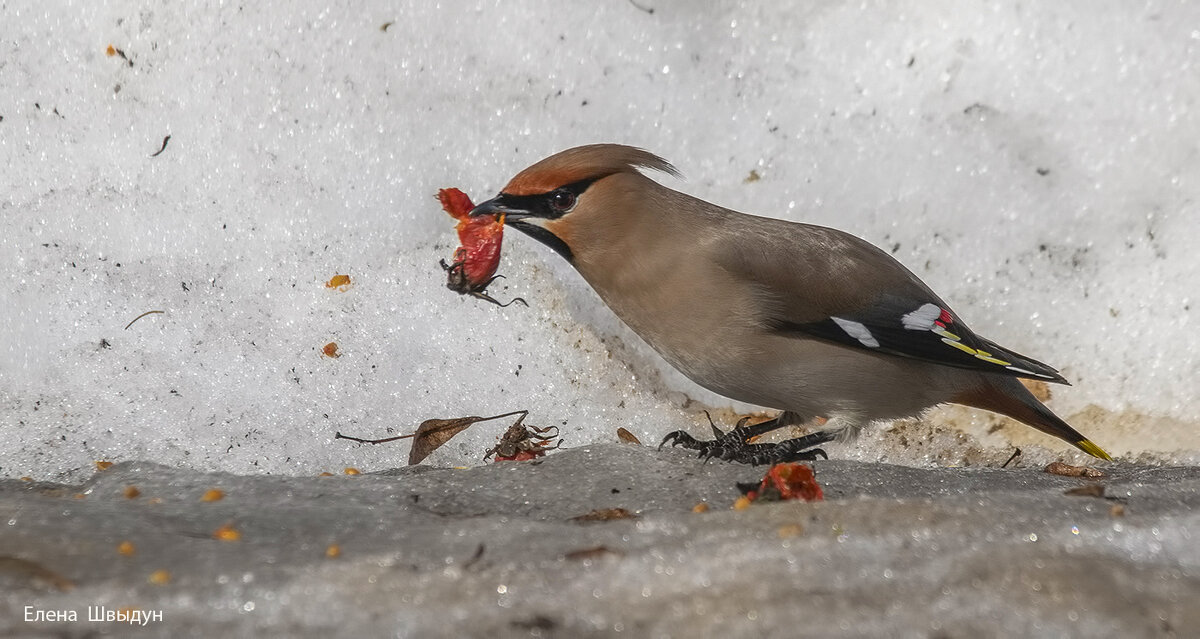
(539, 181)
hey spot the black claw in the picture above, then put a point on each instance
(679, 438)
(734, 446)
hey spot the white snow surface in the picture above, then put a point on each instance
(1037, 164)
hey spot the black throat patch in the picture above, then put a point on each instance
(545, 237)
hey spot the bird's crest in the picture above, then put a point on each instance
(590, 162)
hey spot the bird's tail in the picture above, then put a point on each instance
(1007, 396)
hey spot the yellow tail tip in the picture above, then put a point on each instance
(1095, 451)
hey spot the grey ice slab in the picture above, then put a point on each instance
(492, 551)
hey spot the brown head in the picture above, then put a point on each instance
(546, 199)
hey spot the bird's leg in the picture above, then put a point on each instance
(796, 449)
(733, 439)
(735, 446)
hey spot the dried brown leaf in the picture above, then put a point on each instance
(628, 437)
(605, 514)
(595, 552)
(227, 533)
(432, 433)
(24, 573)
(790, 530)
(1067, 470)
(1088, 490)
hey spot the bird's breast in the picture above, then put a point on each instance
(695, 316)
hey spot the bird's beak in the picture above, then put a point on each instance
(518, 212)
(499, 206)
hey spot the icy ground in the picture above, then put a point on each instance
(497, 551)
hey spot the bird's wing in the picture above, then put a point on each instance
(814, 281)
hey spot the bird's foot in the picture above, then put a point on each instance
(735, 446)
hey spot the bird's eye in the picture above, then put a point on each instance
(562, 200)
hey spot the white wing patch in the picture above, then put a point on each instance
(858, 331)
(923, 318)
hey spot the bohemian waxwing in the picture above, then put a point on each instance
(797, 317)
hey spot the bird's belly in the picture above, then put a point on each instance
(809, 377)
(724, 346)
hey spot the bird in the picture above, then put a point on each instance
(805, 319)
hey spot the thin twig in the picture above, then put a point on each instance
(474, 558)
(164, 146)
(141, 316)
(648, 10)
(339, 435)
